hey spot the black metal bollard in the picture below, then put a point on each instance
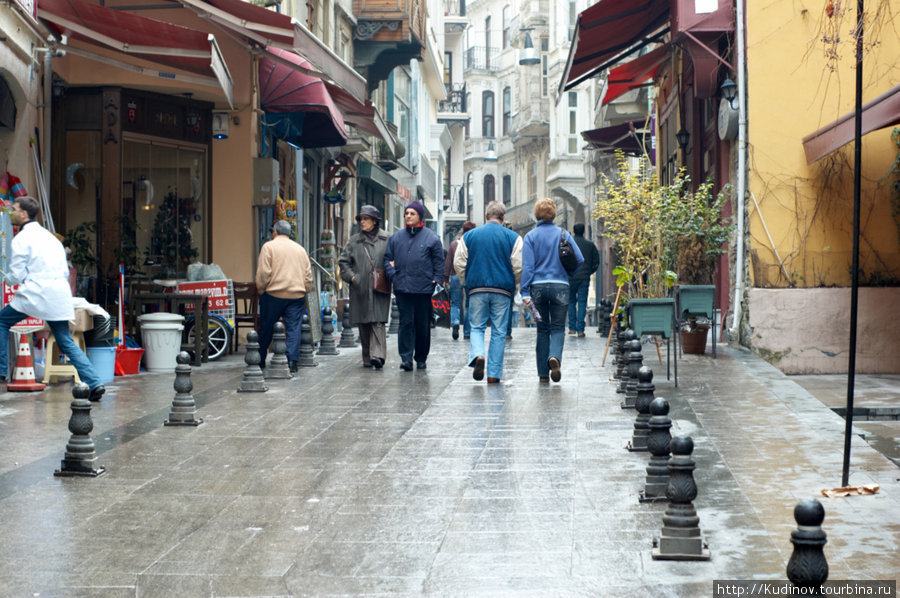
(635, 361)
(658, 443)
(327, 347)
(622, 359)
(394, 326)
(807, 567)
(184, 409)
(80, 454)
(347, 337)
(306, 345)
(645, 390)
(279, 367)
(253, 380)
(680, 539)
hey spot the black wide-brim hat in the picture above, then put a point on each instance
(368, 212)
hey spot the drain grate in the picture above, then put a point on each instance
(608, 424)
(870, 413)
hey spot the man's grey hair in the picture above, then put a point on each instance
(495, 211)
(283, 227)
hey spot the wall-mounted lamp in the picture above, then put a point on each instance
(220, 125)
(729, 90)
(529, 55)
(491, 153)
(683, 137)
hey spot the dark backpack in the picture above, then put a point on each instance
(567, 256)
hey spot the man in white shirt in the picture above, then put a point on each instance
(38, 265)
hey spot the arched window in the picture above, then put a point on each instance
(489, 192)
(532, 181)
(507, 110)
(487, 114)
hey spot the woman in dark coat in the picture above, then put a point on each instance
(368, 309)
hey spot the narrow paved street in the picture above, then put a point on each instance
(351, 481)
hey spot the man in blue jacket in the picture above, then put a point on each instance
(414, 261)
(488, 262)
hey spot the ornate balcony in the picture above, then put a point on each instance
(388, 33)
(453, 110)
(480, 58)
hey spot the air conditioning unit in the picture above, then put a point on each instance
(265, 181)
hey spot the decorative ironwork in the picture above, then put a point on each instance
(366, 30)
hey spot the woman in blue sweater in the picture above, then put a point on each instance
(546, 284)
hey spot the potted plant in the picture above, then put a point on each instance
(633, 209)
(698, 235)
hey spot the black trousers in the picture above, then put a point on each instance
(414, 334)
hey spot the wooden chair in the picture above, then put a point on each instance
(246, 309)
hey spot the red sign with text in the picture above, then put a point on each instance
(29, 322)
(216, 290)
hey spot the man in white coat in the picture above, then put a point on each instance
(38, 265)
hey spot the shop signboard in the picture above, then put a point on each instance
(27, 325)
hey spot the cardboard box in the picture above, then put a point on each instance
(83, 320)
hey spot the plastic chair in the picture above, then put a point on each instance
(246, 309)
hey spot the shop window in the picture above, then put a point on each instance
(164, 205)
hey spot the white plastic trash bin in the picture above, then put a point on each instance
(161, 333)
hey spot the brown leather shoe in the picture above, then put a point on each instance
(544, 379)
(580, 335)
(555, 374)
(493, 380)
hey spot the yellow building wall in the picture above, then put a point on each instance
(794, 90)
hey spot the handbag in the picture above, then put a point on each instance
(380, 282)
(567, 256)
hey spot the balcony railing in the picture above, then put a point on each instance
(481, 58)
(456, 99)
(455, 8)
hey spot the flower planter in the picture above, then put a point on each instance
(694, 341)
(652, 316)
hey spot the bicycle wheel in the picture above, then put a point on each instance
(219, 336)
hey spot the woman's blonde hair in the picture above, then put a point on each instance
(545, 209)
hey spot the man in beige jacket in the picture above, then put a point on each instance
(283, 278)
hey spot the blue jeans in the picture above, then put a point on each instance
(485, 307)
(456, 297)
(552, 301)
(291, 311)
(9, 317)
(578, 292)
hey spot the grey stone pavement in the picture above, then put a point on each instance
(349, 481)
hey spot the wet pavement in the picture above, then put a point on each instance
(352, 481)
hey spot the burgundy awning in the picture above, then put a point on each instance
(268, 28)
(160, 42)
(883, 111)
(628, 137)
(610, 30)
(635, 73)
(285, 91)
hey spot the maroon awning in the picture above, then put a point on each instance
(268, 28)
(610, 30)
(157, 41)
(883, 111)
(635, 73)
(285, 91)
(628, 137)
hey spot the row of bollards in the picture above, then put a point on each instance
(669, 475)
(80, 456)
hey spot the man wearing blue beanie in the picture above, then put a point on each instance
(414, 261)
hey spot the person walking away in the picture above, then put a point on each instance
(283, 279)
(545, 284)
(369, 309)
(38, 265)
(580, 281)
(456, 290)
(489, 263)
(414, 261)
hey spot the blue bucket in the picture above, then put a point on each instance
(104, 361)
